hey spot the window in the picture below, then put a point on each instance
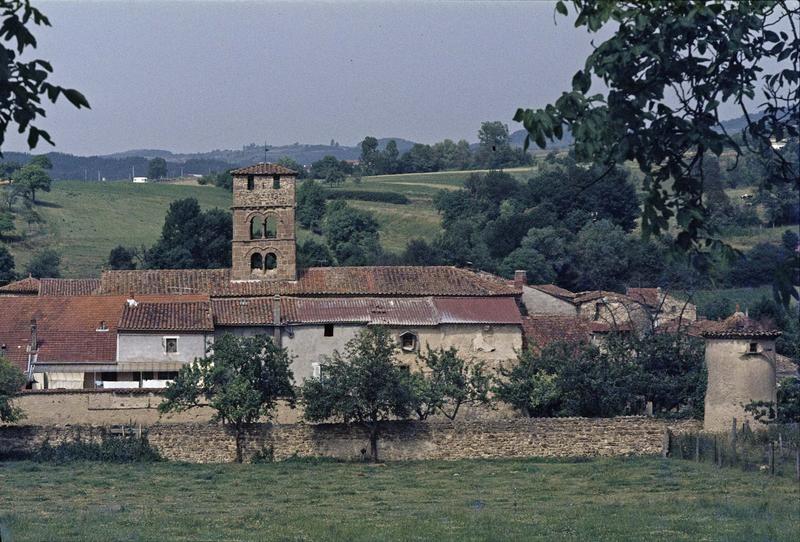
(405, 368)
(271, 227)
(108, 377)
(276, 181)
(147, 375)
(753, 348)
(103, 326)
(408, 341)
(328, 330)
(316, 370)
(270, 261)
(251, 182)
(255, 228)
(256, 262)
(167, 375)
(171, 345)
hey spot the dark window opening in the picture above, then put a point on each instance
(171, 345)
(328, 330)
(251, 182)
(270, 261)
(255, 228)
(103, 326)
(276, 181)
(408, 341)
(147, 375)
(406, 369)
(167, 375)
(753, 348)
(108, 377)
(271, 227)
(256, 262)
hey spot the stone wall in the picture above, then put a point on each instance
(542, 437)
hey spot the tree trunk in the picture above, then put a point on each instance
(373, 441)
(239, 443)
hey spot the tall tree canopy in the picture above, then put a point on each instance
(667, 68)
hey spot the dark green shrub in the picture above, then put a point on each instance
(108, 450)
(366, 195)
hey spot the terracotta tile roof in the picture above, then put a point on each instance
(540, 330)
(242, 312)
(409, 281)
(591, 295)
(169, 316)
(736, 326)
(423, 311)
(264, 168)
(646, 296)
(69, 329)
(554, 290)
(28, 285)
(68, 287)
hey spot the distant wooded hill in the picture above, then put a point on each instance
(123, 165)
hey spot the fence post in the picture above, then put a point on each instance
(665, 443)
(797, 463)
(772, 457)
(716, 451)
(697, 447)
(733, 441)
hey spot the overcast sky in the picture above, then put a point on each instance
(196, 76)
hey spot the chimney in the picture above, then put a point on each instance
(131, 300)
(520, 278)
(34, 338)
(276, 319)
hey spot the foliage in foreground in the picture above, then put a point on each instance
(11, 381)
(242, 380)
(108, 450)
(579, 379)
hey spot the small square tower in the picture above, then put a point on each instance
(264, 242)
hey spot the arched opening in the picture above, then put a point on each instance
(256, 262)
(271, 227)
(270, 261)
(255, 228)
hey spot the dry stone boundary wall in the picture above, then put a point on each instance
(414, 440)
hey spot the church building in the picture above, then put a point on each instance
(132, 329)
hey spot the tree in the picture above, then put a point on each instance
(11, 381)
(362, 385)
(41, 160)
(329, 168)
(7, 273)
(122, 257)
(669, 66)
(30, 178)
(45, 263)
(157, 168)
(787, 408)
(418, 159)
(310, 205)
(242, 379)
(600, 257)
(26, 83)
(389, 159)
(192, 239)
(290, 163)
(351, 234)
(313, 254)
(370, 155)
(448, 382)
(6, 223)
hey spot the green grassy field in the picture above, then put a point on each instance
(609, 499)
(84, 221)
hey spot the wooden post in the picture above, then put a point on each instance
(733, 441)
(716, 451)
(666, 443)
(772, 457)
(697, 448)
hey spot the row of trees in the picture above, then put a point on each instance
(244, 378)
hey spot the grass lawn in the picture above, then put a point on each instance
(605, 499)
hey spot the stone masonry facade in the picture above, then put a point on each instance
(399, 441)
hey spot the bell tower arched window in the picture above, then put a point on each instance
(271, 227)
(255, 228)
(256, 262)
(270, 261)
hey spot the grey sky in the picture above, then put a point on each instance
(188, 76)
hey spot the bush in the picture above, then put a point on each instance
(264, 455)
(367, 195)
(108, 450)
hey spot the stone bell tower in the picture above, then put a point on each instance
(264, 244)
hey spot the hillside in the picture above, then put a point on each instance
(84, 221)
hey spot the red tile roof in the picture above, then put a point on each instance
(591, 295)
(68, 328)
(264, 168)
(68, 287)
(554, 290)
(736, 326)
(28, 285)
(423, 311)
(171, 316)
(540, 330)
(408, 281)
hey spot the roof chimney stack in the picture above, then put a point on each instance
(520, 278)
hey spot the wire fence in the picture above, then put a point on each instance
(774, 450)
